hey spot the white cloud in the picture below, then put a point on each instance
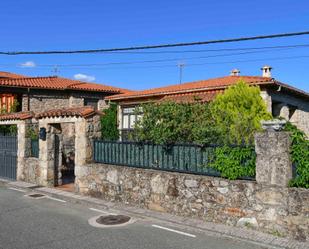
(84, 77)
(28, 64)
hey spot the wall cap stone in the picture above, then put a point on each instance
(273, 125)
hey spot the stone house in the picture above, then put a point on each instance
(38, 94)
(54, 106)
(281, 99)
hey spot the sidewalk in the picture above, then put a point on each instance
(209, 228)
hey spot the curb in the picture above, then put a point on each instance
(211, 229)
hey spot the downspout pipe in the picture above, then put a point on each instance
(28, 99)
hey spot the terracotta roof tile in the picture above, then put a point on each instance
(204, 85)
(192, 97)
(16, 116)
(97, 87)
(58, 83)
(85, 111)
(11, 75)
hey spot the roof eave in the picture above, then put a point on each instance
(114, 98)
(62, 89)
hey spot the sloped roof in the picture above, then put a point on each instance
(11, 75)
(16, 116)
(84, 112)
(205, 96)
(204, 86)
(210, 84)
(55, 83)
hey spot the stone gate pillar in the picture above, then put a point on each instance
(273, 160)
(87, 129)
(21, 149)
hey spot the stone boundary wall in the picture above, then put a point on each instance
(32, 172)
(277, 210)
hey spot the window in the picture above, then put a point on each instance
(125, 122)
(8, 102)
(129, 117)
(91, 102)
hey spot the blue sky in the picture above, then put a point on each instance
(48, 25)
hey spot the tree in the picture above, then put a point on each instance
(169, 122)
(109, 123)
(238, 113)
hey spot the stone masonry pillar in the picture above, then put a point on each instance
(86, 131)
(21, 149)
(285, 112)
(273, 161)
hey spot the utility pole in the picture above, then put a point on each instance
(181, 66)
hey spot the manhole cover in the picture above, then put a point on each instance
(36, 195)
(112, 220)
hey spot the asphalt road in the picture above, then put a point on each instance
(48, 223)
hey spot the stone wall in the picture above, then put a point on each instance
(273, 161)
(292, 108)
(267, 98)
(43, 101)
(277, 210)
(32, 170)
(77, 100)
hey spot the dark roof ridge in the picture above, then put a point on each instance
(30, 78)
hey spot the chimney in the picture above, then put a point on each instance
(235, 72)
(266, 71)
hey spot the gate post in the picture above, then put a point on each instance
(273, 160)
(21, 149)
(87, 129)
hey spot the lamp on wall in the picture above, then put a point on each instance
(43, 133)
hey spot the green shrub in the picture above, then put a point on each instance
(32, 132)
(170, 122)
(234, 162)
(9, 129)
(300, 156)
(232, 118)
(238, 113)
(109, 126)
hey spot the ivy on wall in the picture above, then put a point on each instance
(300, 156)
(32, 132)
(234, 162)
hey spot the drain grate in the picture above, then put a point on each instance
(113, 220)
(36, 195)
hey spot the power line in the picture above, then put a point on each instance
(212, 50)
(155, 61)
(199, 64)
(161, 60)
(210, 63)
(183, 44)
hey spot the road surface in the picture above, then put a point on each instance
(51, 223)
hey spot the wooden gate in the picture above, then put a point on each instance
(8, 156)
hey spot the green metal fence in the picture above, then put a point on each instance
(185, 158)
(35, 148)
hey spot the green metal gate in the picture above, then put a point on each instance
(8, 156)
